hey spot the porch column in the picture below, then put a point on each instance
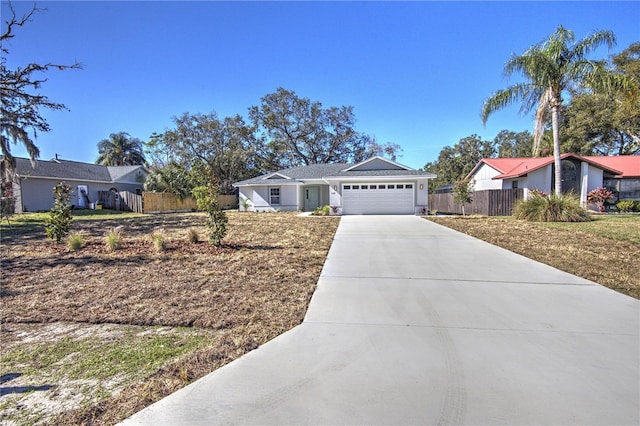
(584, 182)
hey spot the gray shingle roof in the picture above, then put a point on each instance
(312, 171)
(71, 170)
(63, 169)
(323, 171)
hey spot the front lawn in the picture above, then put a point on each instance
(605, 250)
(92, 336)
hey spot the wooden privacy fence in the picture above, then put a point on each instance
(123, 200)
(156, 202)
(492, 202)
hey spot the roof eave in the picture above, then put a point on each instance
(398, 177)
(62, 179)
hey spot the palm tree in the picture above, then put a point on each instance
(120, 150)
(551, 68)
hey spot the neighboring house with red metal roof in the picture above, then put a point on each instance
(33, 183)
(579, 174)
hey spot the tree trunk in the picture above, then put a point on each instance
(556, 149)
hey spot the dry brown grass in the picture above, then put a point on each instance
(597, 250)
(253, 288)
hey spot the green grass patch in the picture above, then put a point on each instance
(95, 362)
(136, 354)
(34, 223)
(619, 227)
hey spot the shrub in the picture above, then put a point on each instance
(192, 235)
(552, 208)
(322, 211)
(245, 203)
(217, 221)
(75, 241)
(598, 196)
(57, 224)
(159, 243)
(628, 206)
(113, 240)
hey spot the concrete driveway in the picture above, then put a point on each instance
(413, 323)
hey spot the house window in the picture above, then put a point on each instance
(514, 184)
(274, 196)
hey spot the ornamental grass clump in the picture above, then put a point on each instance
(192, 235)
(75, 241)
(113, 240)
(551, 208)
(158, 240)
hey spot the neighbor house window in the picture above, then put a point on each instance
(274, 196)
(514, 184)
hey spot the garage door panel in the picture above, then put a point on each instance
(378, 201)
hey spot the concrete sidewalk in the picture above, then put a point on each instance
(413, 323)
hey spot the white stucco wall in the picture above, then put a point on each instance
(596, 178)
(422, 196)
(258, 197)
(335, 196)
(540, 179)
(292, 197)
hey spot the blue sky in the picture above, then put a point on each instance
(416, 73)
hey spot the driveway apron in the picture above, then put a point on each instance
(414, 323)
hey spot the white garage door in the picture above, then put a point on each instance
(378, 198)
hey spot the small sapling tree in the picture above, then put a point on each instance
(462, 190)
(207, 200)
(57, 224)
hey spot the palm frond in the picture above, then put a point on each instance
(592, 42)
(504, 98)
(544, 103)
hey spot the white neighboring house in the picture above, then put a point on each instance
(33, 185)
(374, 186)
(621, 174)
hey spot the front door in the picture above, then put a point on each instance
(311, 198)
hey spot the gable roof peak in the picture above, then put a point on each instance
(367, 164)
